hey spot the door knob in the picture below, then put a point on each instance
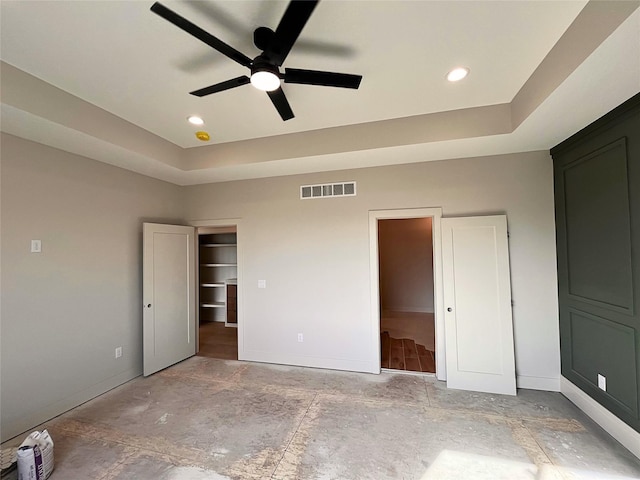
(148, 305)
(449, 309)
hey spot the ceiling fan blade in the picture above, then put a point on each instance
(219, 87)
(290, 26)
(282, 105)
(200, 34)
(328, 79)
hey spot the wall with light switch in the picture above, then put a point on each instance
(71, 321)
(304, 265)
(315, 258)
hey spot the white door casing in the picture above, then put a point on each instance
(169, 319)
(477, 301)
(237, 224)
(435, 214)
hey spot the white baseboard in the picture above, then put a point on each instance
(538, 383)
(615, 427)
(28, 422)
(309, 361)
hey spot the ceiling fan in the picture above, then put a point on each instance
(275, 46)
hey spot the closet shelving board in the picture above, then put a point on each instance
(213, 305)
(218, 266)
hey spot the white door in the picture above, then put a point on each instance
(169, 321)
(477, 301)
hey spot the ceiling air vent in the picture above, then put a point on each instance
(342, 189)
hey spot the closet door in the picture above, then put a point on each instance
(477, 300)
(169, 326)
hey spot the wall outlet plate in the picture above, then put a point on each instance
(118, 352)
(300, 337)
(36, 246)
(602, 382)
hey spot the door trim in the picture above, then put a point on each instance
(438, 297)
(237, 223)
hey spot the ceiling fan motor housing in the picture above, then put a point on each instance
(262, 64)
(263, 37)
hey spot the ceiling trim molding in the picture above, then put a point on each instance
(419, 129)
(25, 125)
(37, 97)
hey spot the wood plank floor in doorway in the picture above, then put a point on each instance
(218, 341)
(405, 354)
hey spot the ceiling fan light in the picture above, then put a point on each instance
(457, 74)
(265, 80)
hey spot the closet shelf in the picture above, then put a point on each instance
(218, 263)
(213, 305)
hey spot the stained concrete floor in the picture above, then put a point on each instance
(210, 419)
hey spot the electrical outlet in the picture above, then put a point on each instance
(300, 337)
(118, 352)
(262, 284)
(602, 382)
(36, 246)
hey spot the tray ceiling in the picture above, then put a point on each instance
(129, 71)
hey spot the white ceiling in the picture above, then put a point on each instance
(127, 61)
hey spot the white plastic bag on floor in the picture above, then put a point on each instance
(35, 457)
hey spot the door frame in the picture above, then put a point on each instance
(223, 222)
(438, 296)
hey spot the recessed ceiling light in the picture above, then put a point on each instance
(457, 74)
(195, 120)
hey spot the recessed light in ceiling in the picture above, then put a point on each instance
(457, 74)
(195, 120)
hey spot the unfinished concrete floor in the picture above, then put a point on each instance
(210, 419)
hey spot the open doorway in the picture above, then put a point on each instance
(217, 292)
(406, 294)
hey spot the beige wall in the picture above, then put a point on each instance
(405, 254)
(65, 310)
(314, 255)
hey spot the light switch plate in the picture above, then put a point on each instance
(262, 284)
(602, 382)
(36, 246)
